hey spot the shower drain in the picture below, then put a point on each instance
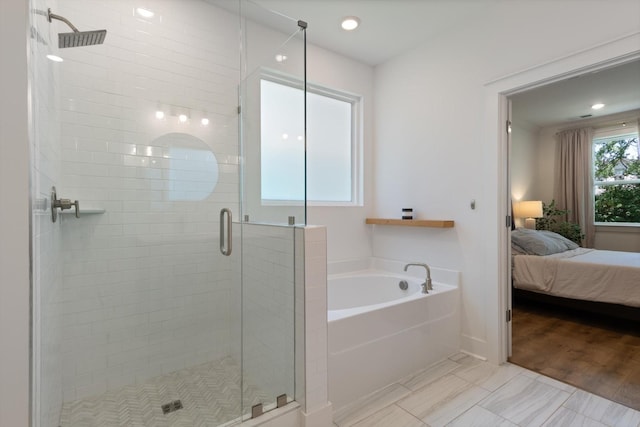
(171, 406)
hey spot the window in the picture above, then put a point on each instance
(332, 147)
(616, 173)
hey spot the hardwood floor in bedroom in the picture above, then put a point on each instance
(598, 355)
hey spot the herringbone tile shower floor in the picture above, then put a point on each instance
(210, 395)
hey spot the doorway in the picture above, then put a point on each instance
(537, 322)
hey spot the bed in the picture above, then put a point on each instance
(545, 263)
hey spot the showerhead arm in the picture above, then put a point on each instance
(77, 38)
(61, 18)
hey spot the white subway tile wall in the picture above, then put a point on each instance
(268, 308)
(145, 289)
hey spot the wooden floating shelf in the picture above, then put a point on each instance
(411, 222)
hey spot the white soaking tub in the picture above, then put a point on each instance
(379, 333)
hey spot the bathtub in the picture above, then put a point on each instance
(379, 334)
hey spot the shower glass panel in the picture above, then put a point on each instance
(273, 163)
(138, 316)
(273, 122)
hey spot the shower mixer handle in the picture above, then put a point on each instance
(62, 204)
(67, 204)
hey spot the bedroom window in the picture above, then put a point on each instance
(616, 176)
(333, 149)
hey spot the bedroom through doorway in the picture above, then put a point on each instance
(562, 338)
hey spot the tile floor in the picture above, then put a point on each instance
(463, 391)
(209, 392)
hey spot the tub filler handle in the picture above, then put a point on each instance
(426, 286)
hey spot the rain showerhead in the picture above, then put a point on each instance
(81, 38)
(77, 38)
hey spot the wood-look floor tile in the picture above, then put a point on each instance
(525, 401)
(466, 359)
(477, 416)
(429, 375)
(555, 383)
(361, 409)
(449, 410)
(603, 410)
(565, 417)
(488, 376)
(442, 400)
(458, 356)
(390, 416)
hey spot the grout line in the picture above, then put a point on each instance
(407, 412)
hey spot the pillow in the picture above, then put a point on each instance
(517, 250)
(541, 242)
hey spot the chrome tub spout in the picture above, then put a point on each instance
(426, 286)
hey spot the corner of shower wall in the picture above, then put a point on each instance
(311, 315)
(45, 159)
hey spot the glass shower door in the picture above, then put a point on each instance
(169, 299)
(135, 307)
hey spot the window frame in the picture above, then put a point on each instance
(355, 100)
(611, 132)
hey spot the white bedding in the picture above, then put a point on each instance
(586, 274)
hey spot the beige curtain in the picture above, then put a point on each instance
(573, 188)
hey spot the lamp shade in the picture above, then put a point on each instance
(528, 209)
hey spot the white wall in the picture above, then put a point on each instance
(524, 173)
(347, 235)
(431, 107)
(14, 217)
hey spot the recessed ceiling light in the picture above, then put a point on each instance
(145, 13)
(350, 23)
(55, 58)
(597, 106)
(159, 114)
(182, 118)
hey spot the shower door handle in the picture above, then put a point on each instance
(225, 243)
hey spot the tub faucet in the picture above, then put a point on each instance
(426, 286)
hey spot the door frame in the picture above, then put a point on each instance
(601, 56)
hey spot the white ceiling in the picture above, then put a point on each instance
(391, 27)
(565, 101)
(387, 28)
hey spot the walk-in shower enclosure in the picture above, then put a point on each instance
(170, 300)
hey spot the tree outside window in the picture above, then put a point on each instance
(616, 178)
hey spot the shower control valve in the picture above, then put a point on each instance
(62, 204)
